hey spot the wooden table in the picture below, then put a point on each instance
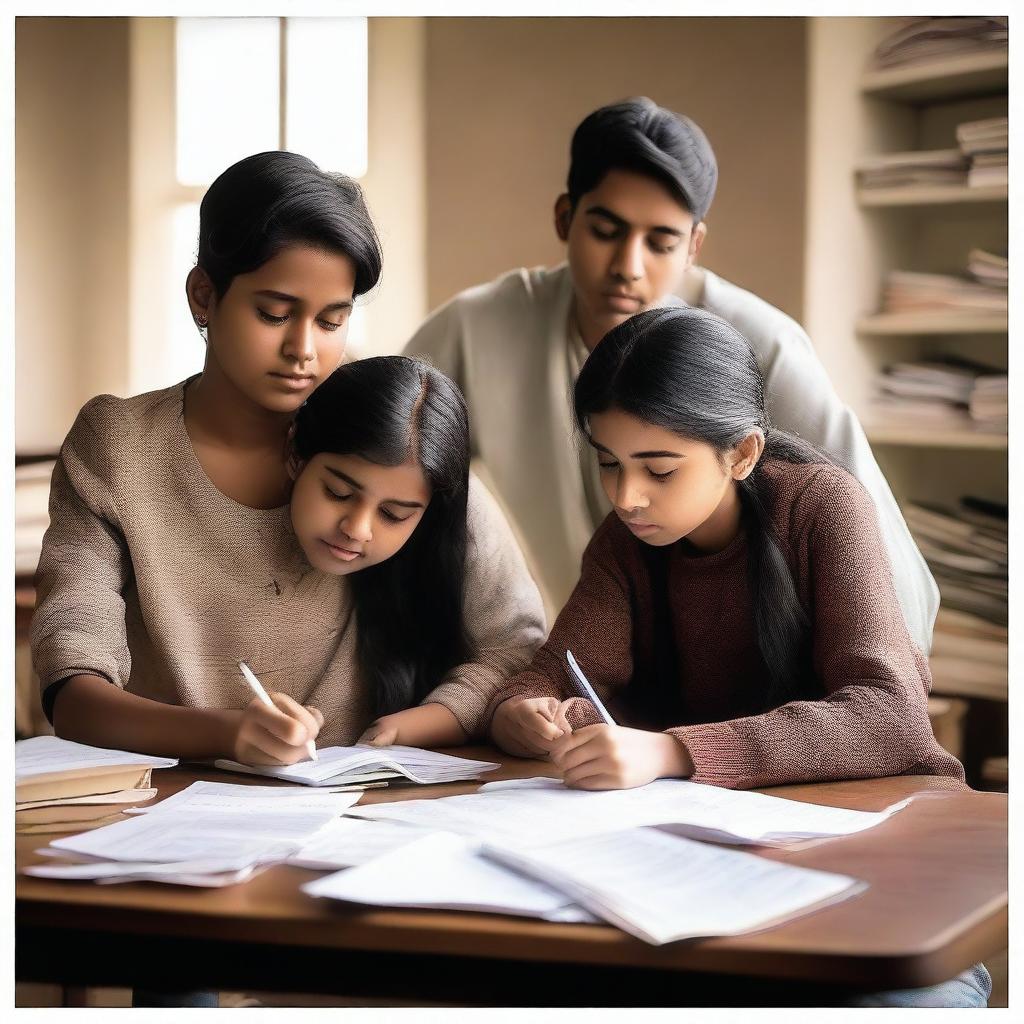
(936, 904)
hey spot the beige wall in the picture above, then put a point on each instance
(71, 233)
(504, 94)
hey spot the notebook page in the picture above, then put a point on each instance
(41, 755)
(207, 835)
(662, 888)
(346, 842)
(223, 797)
(543, 812)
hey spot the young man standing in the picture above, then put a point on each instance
(641, 180)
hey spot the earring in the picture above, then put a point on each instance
(201, 321)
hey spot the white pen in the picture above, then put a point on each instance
(257, 687)
(588, 690)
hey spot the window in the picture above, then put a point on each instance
(240, 86)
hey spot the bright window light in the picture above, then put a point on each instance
(227, 91)
(326, 116)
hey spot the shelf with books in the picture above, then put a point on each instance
(966, 75)
(924, 436)
(931, 195)
(937, 323)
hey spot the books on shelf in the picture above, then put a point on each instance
(949, 393)
(986, 143)
(31, 513)
(917, 167)
(969, 558)
(988, 267)
(907, 291)
(926, 40)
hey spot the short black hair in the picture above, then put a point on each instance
(268, 201)
(638, 135)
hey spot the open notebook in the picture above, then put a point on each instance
(365, 763)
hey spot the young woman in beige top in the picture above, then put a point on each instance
(171, 555)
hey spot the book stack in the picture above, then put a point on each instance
(948, 393)
(919, 167)
(912, 292)
(988, 268)
(926, 40)
(31, 515)
(62, 786)
(967, 551)
(986, 144)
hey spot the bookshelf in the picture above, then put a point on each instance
(880, 325)
(932, 195)
(854, 239)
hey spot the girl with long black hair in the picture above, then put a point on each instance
(381, 459)
(737, 608)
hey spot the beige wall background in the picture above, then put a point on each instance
(71, 220)
(504, 95)
(470, 121)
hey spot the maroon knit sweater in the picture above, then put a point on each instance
(867, 682)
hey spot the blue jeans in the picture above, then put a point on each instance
(968, 990)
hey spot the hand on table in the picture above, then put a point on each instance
(381, 733)
(275, 735)
(614, 757)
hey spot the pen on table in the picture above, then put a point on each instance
(587, 690)
(257, 687)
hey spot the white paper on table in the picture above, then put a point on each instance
(113, 869)
(442, 871)
(423, 766)
(346, 842)
(224, 797)
(171, 836)
(41, 755)
(662, 888)
(545, 811)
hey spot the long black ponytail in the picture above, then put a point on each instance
(409, 607)
(691, 372)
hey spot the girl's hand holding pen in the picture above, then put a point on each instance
(614, 757)
(529, 726)
(276, 735)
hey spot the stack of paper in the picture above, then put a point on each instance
(967, 549)
(656, 886)
(988, 267)
(955, 393)
(209, 834)
(364, 763)
(986, 143)
(925, 40)
(443, 871)
(531, 811)
(662, 888)
(346, 842)
(911, 292)
(917, 167)
(61, 785)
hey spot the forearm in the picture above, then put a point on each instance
(91, 710)
(427, 725)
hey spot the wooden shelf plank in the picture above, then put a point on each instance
(931, 195)
(881, 324)
(976, 74)
(916, 435)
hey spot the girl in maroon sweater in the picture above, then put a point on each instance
(736, 611)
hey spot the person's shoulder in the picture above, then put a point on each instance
(520, 288)
(813, 494)
(109, 416)
(756, 319)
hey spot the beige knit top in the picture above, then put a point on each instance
(153, 578)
